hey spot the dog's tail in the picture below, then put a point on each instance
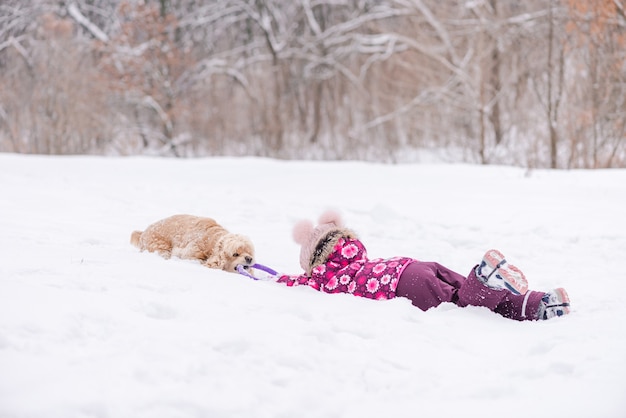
(134, 238)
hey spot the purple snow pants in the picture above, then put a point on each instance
(428, 284)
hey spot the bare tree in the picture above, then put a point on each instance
(537, 83)
(597, 125)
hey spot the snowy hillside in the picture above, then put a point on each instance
(91, 327)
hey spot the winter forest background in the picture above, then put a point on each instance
(534, 83)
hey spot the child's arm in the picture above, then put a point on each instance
(298, 281)
(292, 280)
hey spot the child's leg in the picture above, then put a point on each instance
(521, 307)
(503, 302)
(535, 305)
(428, 284)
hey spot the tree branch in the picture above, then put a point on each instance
(72, 9)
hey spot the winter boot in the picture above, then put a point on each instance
(554, 303)
(496, 273)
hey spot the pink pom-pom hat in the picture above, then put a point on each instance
(319, 241)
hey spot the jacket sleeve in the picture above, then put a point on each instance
(299, 280)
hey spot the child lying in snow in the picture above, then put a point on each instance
(335, 261)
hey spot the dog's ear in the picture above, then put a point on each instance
(216, 259)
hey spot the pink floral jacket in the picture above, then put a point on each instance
(348, 270)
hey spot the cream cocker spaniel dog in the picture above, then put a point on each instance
(196, 238)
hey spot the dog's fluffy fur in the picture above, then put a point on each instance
(196, 238)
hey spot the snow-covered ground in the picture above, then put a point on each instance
(91, 327)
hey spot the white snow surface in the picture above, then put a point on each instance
(92, 327)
